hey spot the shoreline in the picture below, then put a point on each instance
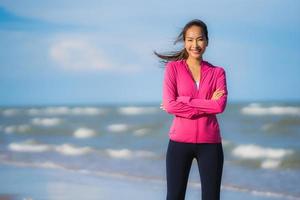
(42, 183)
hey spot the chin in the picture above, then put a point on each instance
(195, 56)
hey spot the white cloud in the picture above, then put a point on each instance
(86, 52)
(77, 54)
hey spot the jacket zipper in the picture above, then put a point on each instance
(197, 89)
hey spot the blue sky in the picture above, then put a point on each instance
(97, 52)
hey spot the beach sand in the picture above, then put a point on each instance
(29, 183)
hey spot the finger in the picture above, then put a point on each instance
(220, 92)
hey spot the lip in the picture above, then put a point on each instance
(196, 51)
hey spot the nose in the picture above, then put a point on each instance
(195, 44)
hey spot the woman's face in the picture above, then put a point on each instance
(195, 42)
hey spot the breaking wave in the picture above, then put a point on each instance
(257, 109)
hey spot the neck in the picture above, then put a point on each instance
(194, 61)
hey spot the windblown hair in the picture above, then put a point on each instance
(182, 54)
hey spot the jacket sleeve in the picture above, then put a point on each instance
(209, 106)
(170, 94)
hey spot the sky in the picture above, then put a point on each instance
(71, 52)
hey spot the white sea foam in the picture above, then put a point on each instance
(84, 133)
(60, 110)
(68, 149)
(141, 132)
(52, 165)
(118, 127)
(46, 121)
(17, 128)
(126, 153)
(257, 109)
(87, 111)
(271, 157)
(29, 146)
(270, 163)
(63, 110)
(32, 146)
(133, 110)
(10, 112)
(48, 110)
(47, 164)
(252, 151)
(123, 153)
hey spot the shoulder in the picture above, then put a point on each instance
(215, 68)
(175, 63)
(174, 66)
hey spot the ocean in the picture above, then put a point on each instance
(55, 152)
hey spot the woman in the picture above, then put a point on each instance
(194, 91)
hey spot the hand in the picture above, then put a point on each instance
(162, 107)
(217, 94)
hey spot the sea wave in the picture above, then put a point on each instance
(10, 112)
(118, 127)
(133, 110)
(270, 157)
(32, 146)
(22, 128)
(286, 123)
(84, 133)
(258, 109)
(254, 151)
(63, 110)
(29, 146)
(68, 149)
(126, 153)
(46, 121)
(141, 131)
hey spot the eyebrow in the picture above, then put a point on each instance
(195, 38)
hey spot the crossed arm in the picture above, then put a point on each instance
(188, 107)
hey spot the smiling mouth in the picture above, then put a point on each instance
(196, 51)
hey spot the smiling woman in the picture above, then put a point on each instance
(195, 34)
(194, 91)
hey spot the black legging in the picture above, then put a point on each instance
(210, 159)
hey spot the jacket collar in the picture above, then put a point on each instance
(204, 65)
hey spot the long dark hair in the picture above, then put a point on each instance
(182, 54)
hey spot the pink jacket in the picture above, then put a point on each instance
(194, 112)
